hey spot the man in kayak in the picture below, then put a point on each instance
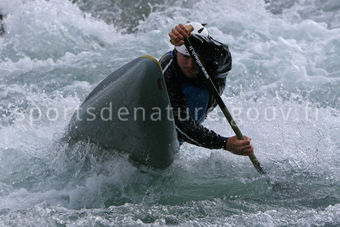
(189, 96)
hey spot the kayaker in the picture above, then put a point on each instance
(189, 97)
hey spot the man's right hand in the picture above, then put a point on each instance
(178, 34)
(240, 147)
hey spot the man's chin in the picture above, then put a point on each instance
(191, 75)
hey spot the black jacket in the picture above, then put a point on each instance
(188, 130)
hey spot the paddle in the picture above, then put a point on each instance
(219, 100)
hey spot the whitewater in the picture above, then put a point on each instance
(283, 91)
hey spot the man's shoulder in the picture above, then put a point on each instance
(166, 60)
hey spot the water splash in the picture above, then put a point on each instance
(283, 91)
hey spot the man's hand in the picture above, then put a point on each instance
(178, 34)
(240, 147)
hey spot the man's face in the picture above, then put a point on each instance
(187, 65)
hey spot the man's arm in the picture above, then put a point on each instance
(187, 128)
(195, 133)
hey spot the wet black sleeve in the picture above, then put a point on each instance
(187, 128)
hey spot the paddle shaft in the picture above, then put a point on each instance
(220, 102)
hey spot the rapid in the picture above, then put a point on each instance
(283, 92)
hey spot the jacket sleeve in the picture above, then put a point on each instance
(187, 128)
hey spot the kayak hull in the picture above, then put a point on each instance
(129, 111)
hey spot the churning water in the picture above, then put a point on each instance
(284, 91)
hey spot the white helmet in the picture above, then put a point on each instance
(199, 29)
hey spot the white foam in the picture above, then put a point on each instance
(276, 63)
